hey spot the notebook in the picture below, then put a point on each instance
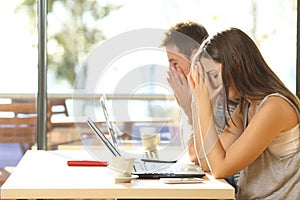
(147, 156)
(151, 170)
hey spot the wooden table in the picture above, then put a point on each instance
(46, 175)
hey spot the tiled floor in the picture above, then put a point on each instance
(10, 154)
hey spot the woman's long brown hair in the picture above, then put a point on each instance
(244, 68)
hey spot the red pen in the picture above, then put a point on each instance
(86, 163)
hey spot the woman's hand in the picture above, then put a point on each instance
(203, 123)
(200, 92)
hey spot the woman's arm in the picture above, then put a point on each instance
(192, 153)
(275, 116)
(229, 135)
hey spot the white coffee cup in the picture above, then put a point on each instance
(122, 166)
(150, 141)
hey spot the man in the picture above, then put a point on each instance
(181, 41)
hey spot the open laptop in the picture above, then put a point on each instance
(151, 170)
(147, 156)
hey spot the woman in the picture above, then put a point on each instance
(261, 139)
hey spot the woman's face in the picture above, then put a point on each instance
(213, 71)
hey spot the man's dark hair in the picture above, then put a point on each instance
(187, 36)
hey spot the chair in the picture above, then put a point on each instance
(59, 106)
(18, 123)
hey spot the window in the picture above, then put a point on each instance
(76, 29)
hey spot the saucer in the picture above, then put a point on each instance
(125, 179)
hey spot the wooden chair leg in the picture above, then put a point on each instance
(3, 176)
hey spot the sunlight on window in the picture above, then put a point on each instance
(275, 34)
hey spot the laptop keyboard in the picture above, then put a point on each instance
(166, 168)
(150, 170)
(152, 167)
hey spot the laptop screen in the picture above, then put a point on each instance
(104, 139)
(109, 124)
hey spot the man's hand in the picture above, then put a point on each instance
(178, 82)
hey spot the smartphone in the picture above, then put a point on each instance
(181, 180)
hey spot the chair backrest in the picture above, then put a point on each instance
(18, 123)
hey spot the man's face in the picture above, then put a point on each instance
(177, 60)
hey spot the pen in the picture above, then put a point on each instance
(86, 163)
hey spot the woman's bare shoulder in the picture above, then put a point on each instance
(279, 109)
